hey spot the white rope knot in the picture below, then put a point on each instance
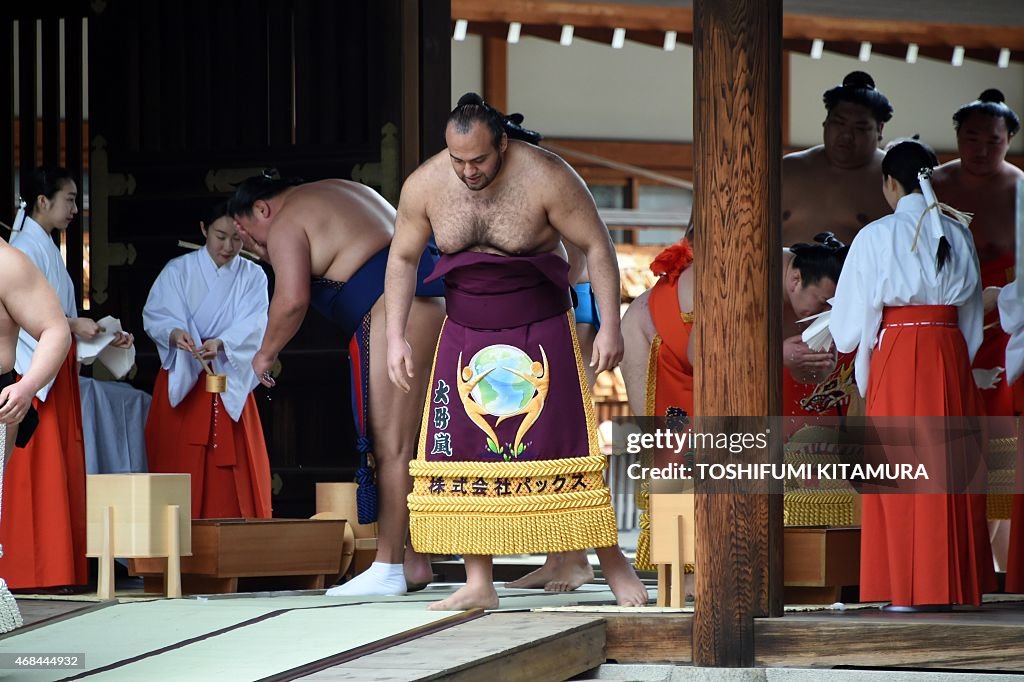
(934, 210)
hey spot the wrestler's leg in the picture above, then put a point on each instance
(424, 326)
(999, 536)
(478, 592)
(621, 577)
(638, 333)
(565, 571)
(395, 418)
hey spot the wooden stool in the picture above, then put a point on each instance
(672, 543)
(137, 516)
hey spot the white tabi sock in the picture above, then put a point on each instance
(379, 580)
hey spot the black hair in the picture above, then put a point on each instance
(991, 103)
(215, 213)
(820, 260)
(44, 181)
(859, 88)
(472, 108)
(256, 188)
(905, 159)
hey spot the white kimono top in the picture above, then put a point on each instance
(31, 239)
(1011, 316)
(227, 303)
(881, 270)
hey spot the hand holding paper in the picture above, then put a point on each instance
(817, 336)
(118, 360)
(987, 378)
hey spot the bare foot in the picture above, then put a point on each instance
(621, 577)
(418, 571)
(536, 578)
(561, 572)
(469, 597)
(569, 576)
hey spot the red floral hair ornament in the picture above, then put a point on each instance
(673, 260)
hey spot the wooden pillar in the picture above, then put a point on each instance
(737, 165)
(73, 133)
(27, 101)
(495, 65)
(426, 79)
(50, 113)
(7, 126)
(787, 87)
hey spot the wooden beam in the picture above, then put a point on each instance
(649, 637)
(645, 20)
(496, 72)
(579, 14)
(737, 152)
(839, 29)
(983, 641)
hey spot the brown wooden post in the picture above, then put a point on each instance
(496, 72)
(737, 116)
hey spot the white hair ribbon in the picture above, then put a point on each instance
(19, 217)
(934, 210)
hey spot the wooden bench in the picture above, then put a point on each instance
(295, 553)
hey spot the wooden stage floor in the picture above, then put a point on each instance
(554, 637)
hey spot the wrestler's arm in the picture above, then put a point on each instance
(412, 231)
(290, 248)
(33, 305)
(572, 212)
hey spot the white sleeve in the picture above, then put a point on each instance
(165, 311)
(1011, 316)
(972, 312)
(850, 305)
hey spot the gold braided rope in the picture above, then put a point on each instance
(588, 399)
(1003, 445)
(642, 561)
(509, 505)
(536, 468)
(833, 510)
(998, 506)
(562, 530)
(650, 404)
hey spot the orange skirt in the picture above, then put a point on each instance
(934, 548)
(43, 518)
(227, 460)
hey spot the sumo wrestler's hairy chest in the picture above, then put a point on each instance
(508, 223)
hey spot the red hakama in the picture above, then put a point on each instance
(923, 548)
(227, 460)
(43, 526)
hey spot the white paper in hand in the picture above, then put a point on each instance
(118, 360)
(817, 336)
(987, 379)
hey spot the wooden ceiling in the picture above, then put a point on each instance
(981, 27)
